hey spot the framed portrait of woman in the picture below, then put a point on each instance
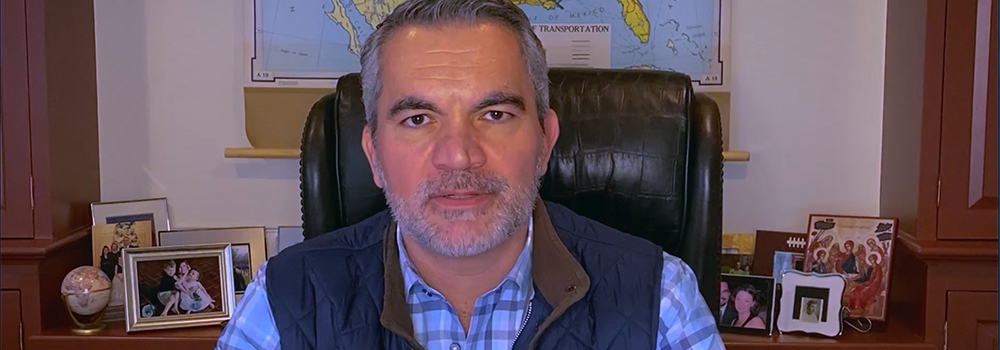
(746, 304)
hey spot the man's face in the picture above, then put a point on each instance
(724, 294)
(459, 149)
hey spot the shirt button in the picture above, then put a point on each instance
(455, 346)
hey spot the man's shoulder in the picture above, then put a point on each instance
(584, 229)
(362, 236)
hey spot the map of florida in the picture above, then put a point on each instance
(375, 10)
(635, 18)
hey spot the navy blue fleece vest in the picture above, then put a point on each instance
(327, 293)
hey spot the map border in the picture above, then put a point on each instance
(250, 33)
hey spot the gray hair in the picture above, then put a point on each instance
(440, 12)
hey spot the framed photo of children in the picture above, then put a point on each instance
(860, 250)
(746, 304)
(248, 248)
(178, 286)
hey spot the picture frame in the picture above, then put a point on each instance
(784, 261)
(767, 244)
(737, 253)
(153, 210)
(281, 237)
(108, 242)
(746, 304)
(248, 248)
(289, 236)
(158, 284)
(811, 303)
(837, 243)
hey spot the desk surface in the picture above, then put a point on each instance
(884, 337)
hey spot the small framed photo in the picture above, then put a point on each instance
(860, 250)
(769, 243)
(282, 237)
(152, 210)
(248, 248)
(109, 242)
(746, 304)
(179, 286)
(811, 303)
(289, 236)
(785, 261)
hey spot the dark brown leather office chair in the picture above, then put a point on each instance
(638, 151)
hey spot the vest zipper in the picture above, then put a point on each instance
(524, 323)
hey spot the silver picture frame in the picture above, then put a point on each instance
(147, 262)
(812, 303)
(153, 209)
(247, 244)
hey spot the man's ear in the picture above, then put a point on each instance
(368, 145)
(550, 133)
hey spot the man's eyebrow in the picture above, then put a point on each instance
(498, 98)
(407, 103)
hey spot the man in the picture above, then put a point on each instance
(726, 313)
(458, 133)
(810, 311)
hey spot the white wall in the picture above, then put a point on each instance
(169, 102)
(806, 102)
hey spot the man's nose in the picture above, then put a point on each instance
(458, 148)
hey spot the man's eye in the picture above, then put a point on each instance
(497, 115)
(416, 120)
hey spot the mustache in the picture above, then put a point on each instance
(479, 181)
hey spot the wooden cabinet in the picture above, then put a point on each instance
(972, 321)
(968, 170)
(939, 168)
(50, 161)
(15, 209)
(48, 101)
(10, 320)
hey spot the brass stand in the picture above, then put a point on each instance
(92, 326)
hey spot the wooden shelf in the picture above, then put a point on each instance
(114, 337)
(264, 153)
(884, 336)
(735, 156)
(950, 250)
(15, 249)
(291, 153)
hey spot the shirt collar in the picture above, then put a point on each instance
(520, 274)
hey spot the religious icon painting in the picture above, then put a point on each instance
(860, 250)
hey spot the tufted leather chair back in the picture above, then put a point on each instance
(637, 151)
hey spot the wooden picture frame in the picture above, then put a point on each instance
(835, 245)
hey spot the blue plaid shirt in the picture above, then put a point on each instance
(498, 315)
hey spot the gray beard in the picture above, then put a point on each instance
(509, 209)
